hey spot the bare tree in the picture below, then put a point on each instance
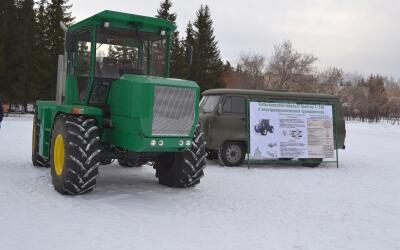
(392, 109)
(290, 64)
(330, 80)
(251, 68)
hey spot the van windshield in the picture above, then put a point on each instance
(208, 103)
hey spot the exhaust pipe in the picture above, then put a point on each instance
(62, 70)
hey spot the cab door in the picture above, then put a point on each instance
(231, 123)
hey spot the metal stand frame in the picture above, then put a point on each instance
(286, 162)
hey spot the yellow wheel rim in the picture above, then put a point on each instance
(58, 155)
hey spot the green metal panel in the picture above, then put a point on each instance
(131, 102)
(304, 101)
(71, 90)
(118, 19)
(47, 112)
(265, 93)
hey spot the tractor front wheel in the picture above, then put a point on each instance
(74, 154)
(183, 169)
(129, 163)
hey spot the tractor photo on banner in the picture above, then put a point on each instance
(290, 130)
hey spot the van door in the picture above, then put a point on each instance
(231, 124)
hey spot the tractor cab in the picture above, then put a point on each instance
(105, 47)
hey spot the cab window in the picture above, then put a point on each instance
(208, 103)
(82, 62)
(234, 104)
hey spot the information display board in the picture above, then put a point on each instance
(290, 130)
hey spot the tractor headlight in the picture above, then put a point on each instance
(181, 143)
(188, 143)
(160, 143)
(153, 143)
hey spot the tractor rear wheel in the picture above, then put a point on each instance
(74, 154)
(37, 160)
(183, 169)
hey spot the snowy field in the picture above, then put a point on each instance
(266, 207)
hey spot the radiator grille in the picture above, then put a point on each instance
(173, 111)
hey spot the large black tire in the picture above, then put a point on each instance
(37, 160)
(81, 151)
(129, 164)
(183, 169)
(315, 162)
(232, 154)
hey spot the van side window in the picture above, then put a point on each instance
(234, 104)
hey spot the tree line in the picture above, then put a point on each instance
(364, 98)
(31, 40)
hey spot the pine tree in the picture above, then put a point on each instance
(177, 49)
(57, 11)
(8, 46)
(23, 86)
(43, 76)
(188, 71)
(163, 11)
(377, 97)
(207, 65)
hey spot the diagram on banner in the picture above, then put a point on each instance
(290, 130)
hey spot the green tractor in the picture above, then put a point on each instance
(114, 101)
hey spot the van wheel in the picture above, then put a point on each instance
(315, 162)
(231, 154)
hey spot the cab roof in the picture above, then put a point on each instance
(262, 93)
(120, 18)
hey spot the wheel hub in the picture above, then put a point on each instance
(233, 154)
(59, 153)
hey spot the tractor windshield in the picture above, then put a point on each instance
(127, 51)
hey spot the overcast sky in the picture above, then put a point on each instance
(356, 35)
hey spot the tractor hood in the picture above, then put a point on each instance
(152, 107)
(143, 79)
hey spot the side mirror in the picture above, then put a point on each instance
(189, 54)
(70, 42)
(219, 109)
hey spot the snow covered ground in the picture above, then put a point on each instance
(266, 207)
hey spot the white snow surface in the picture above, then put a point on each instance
(265, 207)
